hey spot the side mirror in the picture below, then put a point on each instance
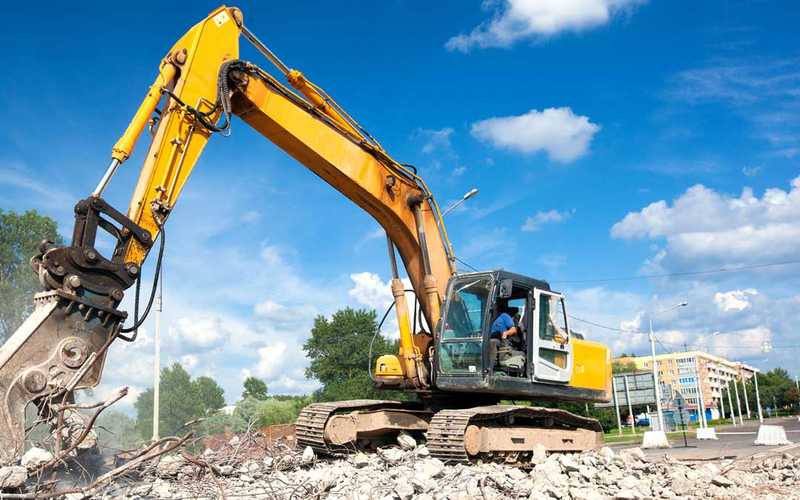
(505, 288)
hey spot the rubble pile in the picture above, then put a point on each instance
(408, 472)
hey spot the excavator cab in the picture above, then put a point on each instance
(534, 362)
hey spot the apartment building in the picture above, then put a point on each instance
(678, 372)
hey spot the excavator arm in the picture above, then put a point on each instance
(201, 83)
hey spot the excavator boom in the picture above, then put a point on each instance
(200, 84)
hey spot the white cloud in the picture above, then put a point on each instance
(704, 225)
(762, 93)
(459, 171)
(375, 234)
(633, 325)
(271, 359)
(740, 343)
(592, 304)
(490, 248)
(735, 300)
(516, 20)
(202, 333)
(282, 314)
(751, 171)
(559, 132)
(44, 192)
(189, 361)
(370, 291)
(435, 140)
(535, 222)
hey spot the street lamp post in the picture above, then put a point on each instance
(758, 398)
(659, 410)
(701, 412)
(655, 377)
(157, 360)
(744, 395)
(738, 402)
(469, 194)
(730, 403)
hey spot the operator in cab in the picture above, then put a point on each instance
(505, 326)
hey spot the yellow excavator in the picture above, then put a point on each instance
(456, 366)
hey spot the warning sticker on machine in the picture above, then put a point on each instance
(221, 18)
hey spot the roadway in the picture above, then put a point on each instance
(733, 442)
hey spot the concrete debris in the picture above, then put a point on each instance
(12, 477)
(360, 460)
(308, 455)
(398, 474)
(170, 466)
(406, 441)
(35, 457)
(391, 455)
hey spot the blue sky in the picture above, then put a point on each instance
(608, 138)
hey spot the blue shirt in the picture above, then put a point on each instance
(501, 324)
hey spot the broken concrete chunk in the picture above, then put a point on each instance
(406, 441)
(35, 457)
(169, 466)
(12, 477)
(391, 455)
(308, 455)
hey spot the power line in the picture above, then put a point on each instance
(684, 273)
(469, 266)
(606, 327)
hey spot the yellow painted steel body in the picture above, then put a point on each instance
(179, 140)
(591, 366)
(389, 367)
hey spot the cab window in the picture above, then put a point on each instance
(461, 345)
(466, 310)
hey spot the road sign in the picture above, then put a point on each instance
(640, 385)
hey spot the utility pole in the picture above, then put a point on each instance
(157, 357)
(616, 403)
(701, 407)
(758, 399)
(657, 439)
(738, 402)
(630, 406)
(744, 395)
(655, 378)
(730, 403)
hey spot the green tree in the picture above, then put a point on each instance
(20, 237)
(181, 400)
(775, 387)
(212, 396)
(271, 411)
(254, 388)
(339, 349)
(116, 431)
(220, 422)
(623, 367)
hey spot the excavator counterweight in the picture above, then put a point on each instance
(459, 367)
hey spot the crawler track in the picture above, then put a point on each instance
(448, 427)
(310, 425)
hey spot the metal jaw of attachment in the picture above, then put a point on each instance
(59, 348)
